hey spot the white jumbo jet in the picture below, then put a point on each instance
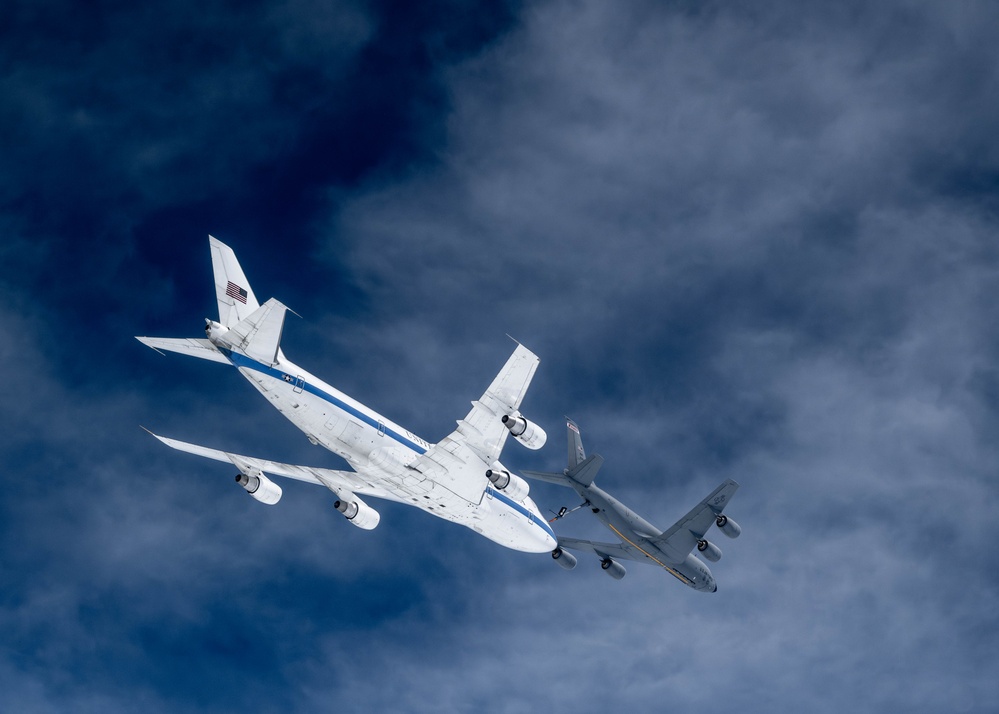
(459, 479)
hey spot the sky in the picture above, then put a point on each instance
(749, 241)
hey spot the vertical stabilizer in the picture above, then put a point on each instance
(580, 469)
(236, 298)
(576, 453)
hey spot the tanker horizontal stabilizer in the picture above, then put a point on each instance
(582, 474)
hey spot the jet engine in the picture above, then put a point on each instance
(727, 526)
(709, 550)
(260, 487)
(358, 513)
(527, 433)
(510, 484)
(565, 560)
(613, 568)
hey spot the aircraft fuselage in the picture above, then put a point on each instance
(636, 533)
(384, 452)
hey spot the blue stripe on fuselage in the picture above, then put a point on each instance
(244, 361)
(522, 510)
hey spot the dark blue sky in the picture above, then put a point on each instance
(748, 242)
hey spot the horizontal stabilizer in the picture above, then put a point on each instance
(186, 346)
(560, 479)
(259, 335)
(584, 472)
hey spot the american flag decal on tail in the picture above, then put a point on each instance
(235, 292)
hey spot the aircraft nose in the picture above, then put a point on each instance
(548, 542)
(542, 535)
(545, 538)
(534, 538)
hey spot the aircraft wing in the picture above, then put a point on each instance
(480, 436)
(482, 429)
(617, 551)
(683, 535)
(340, 482)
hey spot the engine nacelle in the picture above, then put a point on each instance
(358, 513)
(260, 487)
(512, 485)
(527, 433)
(565, 559)
(727, 526)
(613, 568)
(709, 550)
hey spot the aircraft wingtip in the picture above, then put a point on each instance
(152, 434)
(150, 345)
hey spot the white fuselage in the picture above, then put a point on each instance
(385, 454)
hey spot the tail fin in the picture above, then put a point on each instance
(580, 469)
(253, 329)
(236, 299)
(576, 453)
